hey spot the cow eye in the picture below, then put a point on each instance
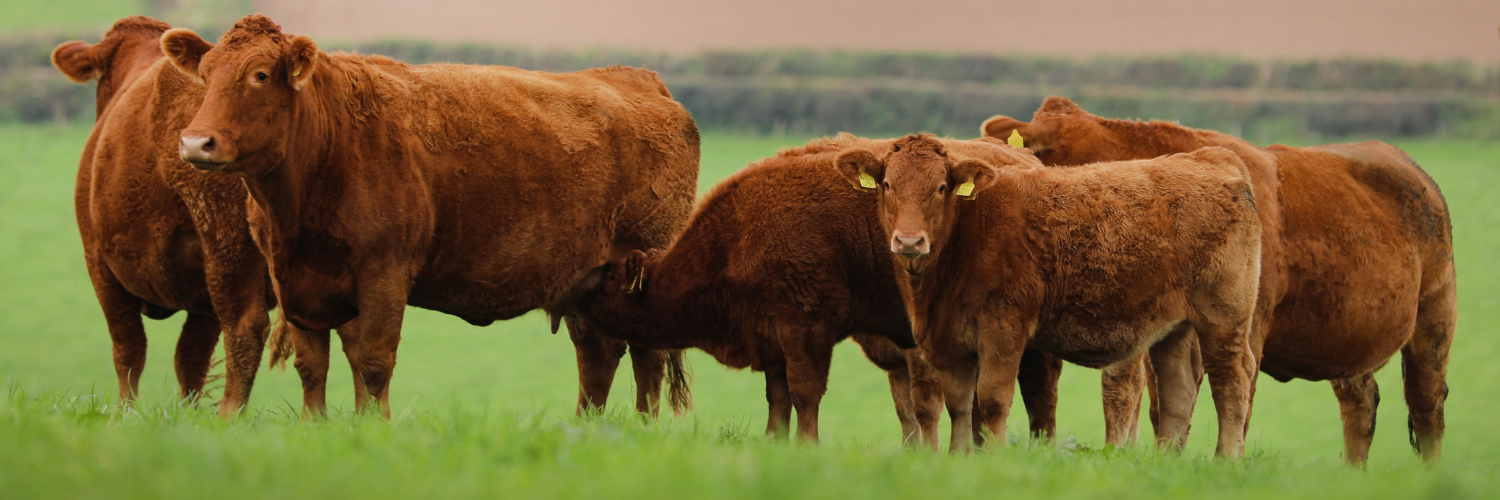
(885, 185)
(942, 188)
(261, 76)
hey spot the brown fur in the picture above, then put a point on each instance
(482, 192)
(158, 236)
(1357, 259)
(1096, 265)
(779, 263)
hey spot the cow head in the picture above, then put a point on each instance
(1060, 133)
(126, 49)
(252, 78)
(920, 187)
(616, 301)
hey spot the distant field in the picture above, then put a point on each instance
(39, 14)
(488, 411)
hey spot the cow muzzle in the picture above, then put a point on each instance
(910, 245)
(203, 152)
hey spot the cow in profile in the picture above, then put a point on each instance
(482, 192)
(1356, 258)
(1094, 264)
(779, 263)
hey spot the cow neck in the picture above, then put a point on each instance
(684, 301)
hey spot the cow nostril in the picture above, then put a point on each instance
(208, 146)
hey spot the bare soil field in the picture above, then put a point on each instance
(1395, 29)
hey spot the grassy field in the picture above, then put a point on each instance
(488, 411)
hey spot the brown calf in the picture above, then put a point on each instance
(1093, 264)
(482, 192)
(778, 264)
(1356, 258)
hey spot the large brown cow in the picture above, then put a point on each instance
(482, 192)
(1356, 258)
(779, 263)
(147, 251)
(1093, 264)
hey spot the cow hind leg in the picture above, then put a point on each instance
(1424, 368)
(807, 360)
(1038, 378)
(1227, 361)
(649, 367)
(598, 358)
(349, 341)
(1358, 398)
(779, 401)
(195, 351)
(1121, 386)
(900, 381)
(312, 368)
(1177, 390)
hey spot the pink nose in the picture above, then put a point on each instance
(200, 152)
(910, 245)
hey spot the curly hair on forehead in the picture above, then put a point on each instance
(919, 144)
(139, 23)
(250, 28)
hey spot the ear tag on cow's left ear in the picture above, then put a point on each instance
(1015, 140)
(866, 181)
(965, 190)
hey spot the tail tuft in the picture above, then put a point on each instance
(679, 394)
(281, 343)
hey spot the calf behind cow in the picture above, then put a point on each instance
(1356, 258)
(1094, 264)
(482, 192)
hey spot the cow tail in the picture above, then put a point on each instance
(679, 394)
(281, 343)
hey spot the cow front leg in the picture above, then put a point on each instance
(649, 368)
(1177, 389)
(1121, 385)
(598, 358)
(349, 341)
(312, 368)
(926, 396)
(1038, 378)
(195, 352)
(779, 401)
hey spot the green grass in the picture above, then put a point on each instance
(42, 14)
(488, 411)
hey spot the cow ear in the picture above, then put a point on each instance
(185, 50)
(972, 176)
(300, 58)
(860, 167)
(635, 272)
(76, 61)
(1012, 131)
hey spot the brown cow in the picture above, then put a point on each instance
(1092, 264)
(1356, 258)
(482, 192)
(779, 263)
(147, 251)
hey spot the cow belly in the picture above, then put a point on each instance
(316, 302)
(1097, 344)
(164, 270)
(1328, 339)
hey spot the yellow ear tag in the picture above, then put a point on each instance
(1015, 140)
(965, 190)
(866, 181)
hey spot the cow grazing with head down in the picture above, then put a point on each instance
(1093, 264)
(482, 192)
(778, 264)
(1356, 258)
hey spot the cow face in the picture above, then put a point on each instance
(252, 79)
(127, 48)
(1060, 133)
(618, 304)
(920, 187)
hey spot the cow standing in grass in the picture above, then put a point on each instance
(1357, 258)
(158, 236)
(482, 192)
(779, 263)
(1095, 265)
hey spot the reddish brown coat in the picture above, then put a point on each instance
(1357, 257)
(1093, 264)
(482, 192)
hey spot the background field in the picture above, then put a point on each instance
(489, 410)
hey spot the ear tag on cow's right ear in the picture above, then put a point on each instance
(1015, 140)
(965, 190)
(866, 180)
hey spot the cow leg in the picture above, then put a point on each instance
(1177, 389)
(1122, 384)
(195, 352)
(127, 334)
(1359, 396)
(779, 399)
(598, 358)
(1227, 361)
(1151, 394)
(958, 385)
(807, 360)
(382, 307)
(926, 397)
(900, 380)
(349, 341)
(1038, 380)
(650, 368)
(312, 367)
(1424, 370)
(1001, 348)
